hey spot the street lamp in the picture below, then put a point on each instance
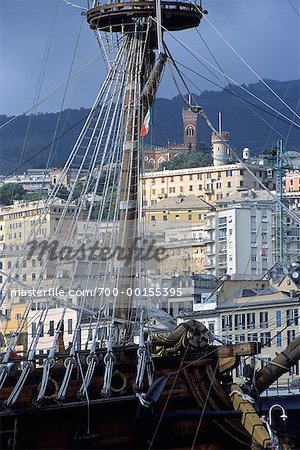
(283, 415)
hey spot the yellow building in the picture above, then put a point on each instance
(210, 183)
(183, 208)
(184, 218)
(10, 321)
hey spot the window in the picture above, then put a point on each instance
(239, 321)
(290, 336)
(191, 187)
(190, 130)
(181, 177)
(265, 339)
(241, 183)
(279, 339)
(211, 328)
(191, 177)
(229, 184)
(177, 217)
(228, 173)
(165, 217)
(263, 319)
(278, 318)
(240, 338)
(292, 317)
(226, 323)
(153, 219)
(252, 337)
(70, 326)
(51, 328)
(162, 180)
(241, 172)
(250, 321)
(200, 187)
(33, 329)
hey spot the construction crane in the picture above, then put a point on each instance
(280, 216)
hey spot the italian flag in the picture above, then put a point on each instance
(146, 124)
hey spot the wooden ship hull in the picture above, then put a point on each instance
(185, 397)
(191, 401)
(192, 393)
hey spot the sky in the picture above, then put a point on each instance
(265, 33)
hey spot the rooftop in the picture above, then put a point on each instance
(180, 202)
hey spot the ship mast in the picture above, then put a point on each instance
(141, 21)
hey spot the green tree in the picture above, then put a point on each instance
(34, 196)
(77, 190)
(10, 192)
(201, 157)
(63, 193)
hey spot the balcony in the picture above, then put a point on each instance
(208, 240)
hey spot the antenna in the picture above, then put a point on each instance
(220, 123)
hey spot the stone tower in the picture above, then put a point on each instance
(219, 144)
(189, 128)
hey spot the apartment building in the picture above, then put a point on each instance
(48, 327)
(264, 311)
(182, 208)
(210, 183)
(181, 220)
(239, 241)
(291, 189)
(21, 223)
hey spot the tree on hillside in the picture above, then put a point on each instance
(202, 157)
(10, 192)
(34, 196)
(63, 193)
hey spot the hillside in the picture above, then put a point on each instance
(245, 126)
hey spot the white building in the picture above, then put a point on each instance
(239, 241)
(50, 325)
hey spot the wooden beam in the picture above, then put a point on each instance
(250, 419)
(245, 349)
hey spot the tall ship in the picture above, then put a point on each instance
(118, 382)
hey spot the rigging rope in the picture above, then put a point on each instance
(197, 56)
